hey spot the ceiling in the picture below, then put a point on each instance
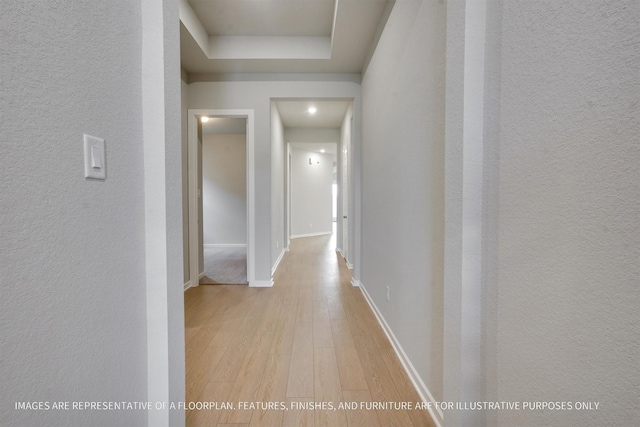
(329, 114)
(293, 113)
(221, 37)
(265, 18)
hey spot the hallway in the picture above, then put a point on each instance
(310, 338)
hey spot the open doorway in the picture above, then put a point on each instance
(215, 232)
(312, 175)
(224, 201)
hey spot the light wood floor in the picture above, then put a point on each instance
(310, 338)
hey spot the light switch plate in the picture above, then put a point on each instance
(94, 158)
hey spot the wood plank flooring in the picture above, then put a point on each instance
(310, 340)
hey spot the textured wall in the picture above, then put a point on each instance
(224, 189)
(184, 104)
(403, 182)
(278, 242)
(72, 269)
(569, 235)
(321, 135)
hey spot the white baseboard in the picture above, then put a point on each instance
(349, 265)
(355, 283)
(417, 382)
(224, 245)
(275, 266)
(323, 233)
(261, 284)
(190, 284)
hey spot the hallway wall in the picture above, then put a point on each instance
(184, 106)
(559, 230)
(567, 295)
(403, 183)
(278, 164)
(224, 189)
(73, 317)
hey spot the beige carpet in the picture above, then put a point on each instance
(225, 266)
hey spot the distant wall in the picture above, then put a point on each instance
(403, 182)
(311, 179)
(224, 189)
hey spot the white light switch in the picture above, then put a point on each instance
(96, 158)
(94, 166)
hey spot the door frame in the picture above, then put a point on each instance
(194, 211)
(342, 224)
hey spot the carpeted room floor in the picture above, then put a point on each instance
(225, 266)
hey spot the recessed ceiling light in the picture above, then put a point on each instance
(204, 119)
(322, 150)
(312, 110)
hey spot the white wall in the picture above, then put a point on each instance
(74, 299)
(403, 183)
(224, 189)
(321, 135)
(313, 135)
(278, 161)
(568, 265)
(559, 240)
(257, 95)
(345, 190)
(310, 193)
(467, 235)
(184, 93)
(163, 208)
(199, 180)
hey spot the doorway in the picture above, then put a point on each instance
(224, 201)
(196, 217)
